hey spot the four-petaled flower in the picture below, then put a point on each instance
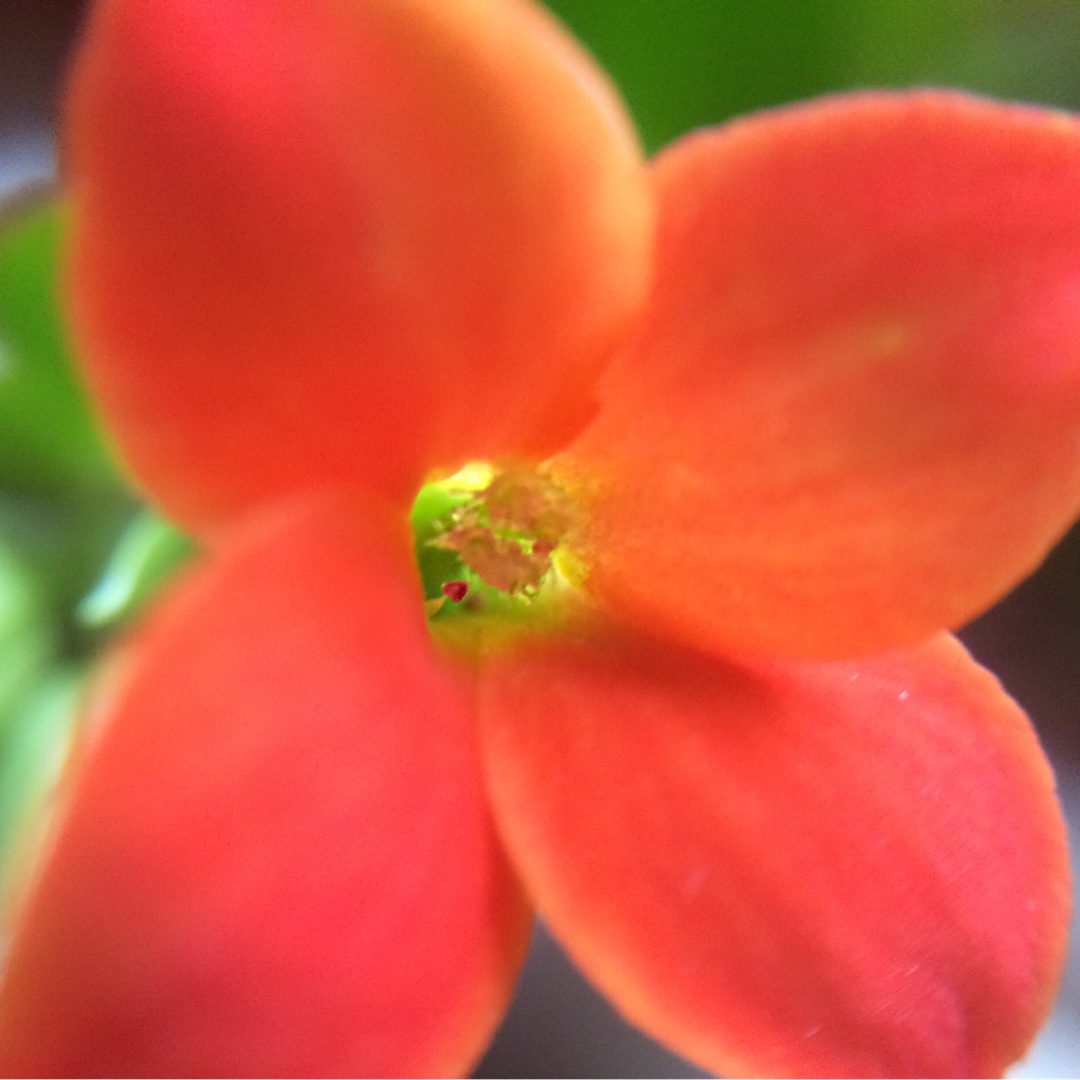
(765, 415)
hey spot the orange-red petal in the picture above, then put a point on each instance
(852, 414)
(352, 240)
(278, 858)
(787, 868)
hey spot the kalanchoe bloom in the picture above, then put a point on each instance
(767, 415)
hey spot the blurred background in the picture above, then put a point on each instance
(680, 64)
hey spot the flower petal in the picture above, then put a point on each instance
(344, 241)
(852, 414)
(277, 858)
(787, 868)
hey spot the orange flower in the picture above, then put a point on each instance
(767, 414)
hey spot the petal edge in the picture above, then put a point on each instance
(783, 869)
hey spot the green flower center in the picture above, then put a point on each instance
(488, 538)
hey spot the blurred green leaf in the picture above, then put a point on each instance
(35, 739)
(63, 542)
(25, 640)
(47, 436)
(147, 555)
(682, 65)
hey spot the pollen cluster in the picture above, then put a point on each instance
(506, 532)
(486, 536)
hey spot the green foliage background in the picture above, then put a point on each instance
(684, 63)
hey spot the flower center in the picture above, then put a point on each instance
(487, 538)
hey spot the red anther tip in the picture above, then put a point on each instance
(455, 590)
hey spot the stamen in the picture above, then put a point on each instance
(494, 540)
(507, 532)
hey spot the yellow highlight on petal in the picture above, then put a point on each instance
(473, 476)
